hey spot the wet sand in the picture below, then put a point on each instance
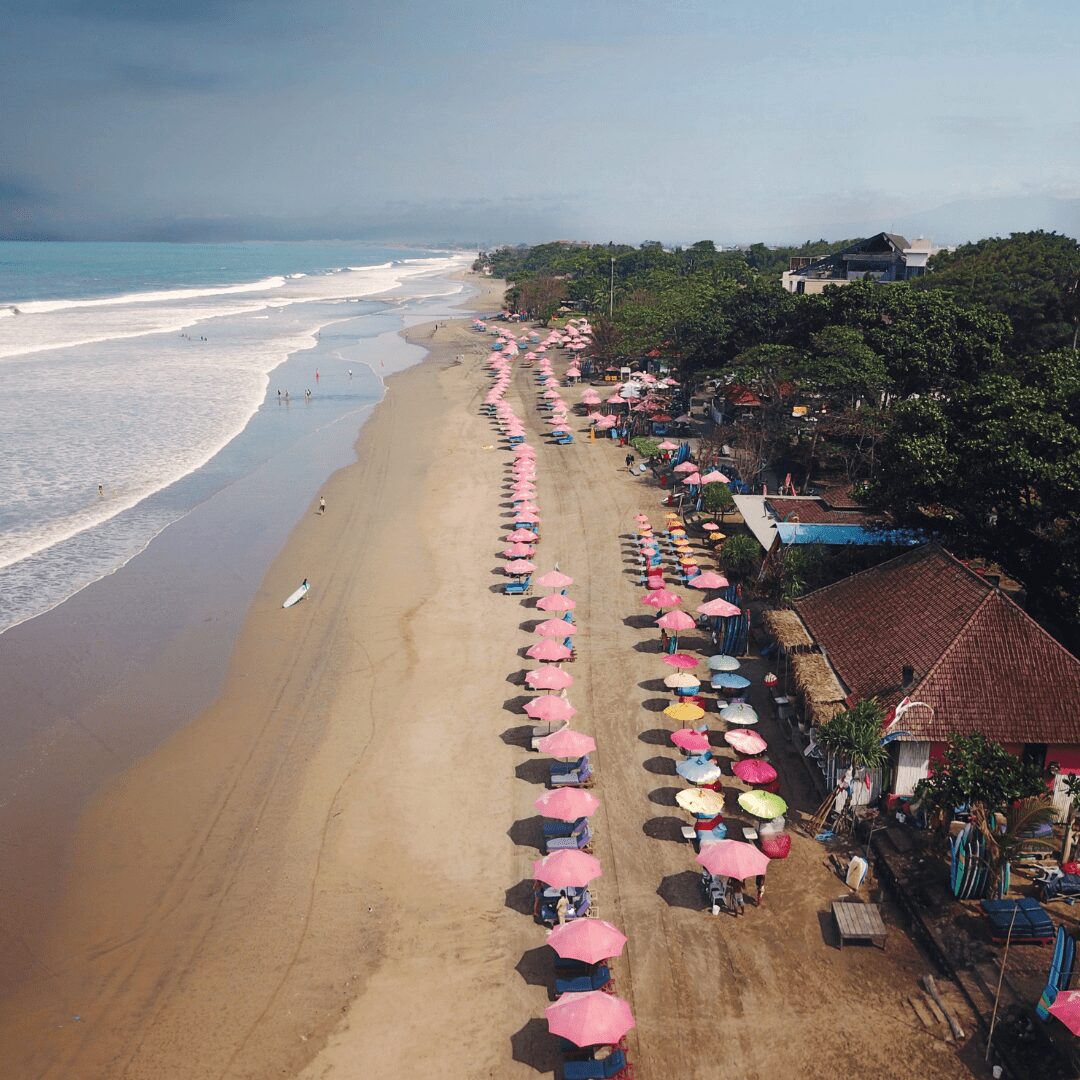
(327, 874)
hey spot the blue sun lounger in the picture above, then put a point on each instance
(582, 984)
(518, 588)
(576, 841)
(596, 1069)
(564, 828)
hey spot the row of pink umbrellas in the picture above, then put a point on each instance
(591, 1018)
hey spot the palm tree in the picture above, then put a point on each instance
(855, 736)
(1005, 845)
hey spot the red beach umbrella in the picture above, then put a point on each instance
(682, 661)
(754, 771)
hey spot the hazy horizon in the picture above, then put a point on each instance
(626, 120)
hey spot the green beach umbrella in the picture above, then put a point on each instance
(763, 804)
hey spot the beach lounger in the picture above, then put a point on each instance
(576, 841)
(574, 778)
(1031, 923)
(564, 828)
(614, 1065)
(566, 440)
(581, 984)
(518, 588)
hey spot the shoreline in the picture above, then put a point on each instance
(46, 966)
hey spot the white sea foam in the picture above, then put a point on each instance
(117, 395)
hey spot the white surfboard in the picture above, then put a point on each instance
(296, 597)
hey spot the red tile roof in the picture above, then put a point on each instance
(839, 497)
(981, 663)
(814, 512)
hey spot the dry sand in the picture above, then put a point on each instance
(326, 875)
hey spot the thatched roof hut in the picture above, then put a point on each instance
(788, 629)
(819, 686)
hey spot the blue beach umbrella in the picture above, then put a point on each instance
(726, 680)
(699, 770)
(723, 662)
(739, 713)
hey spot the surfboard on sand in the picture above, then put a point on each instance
(296, 597)
(1050, 991)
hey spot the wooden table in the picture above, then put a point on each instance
(859, 922)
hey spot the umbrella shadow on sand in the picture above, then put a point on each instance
(656, 736)
(527, 832)
(681, 890)
(639, 622)
(536, 967)
(654, 686)
(664, 796)
(518, 736)
(650, 645)
(521, 897)
(664, 828)
(534, 771)
(656, 704)
(533, 1045)
(518, 703)
(661, 766)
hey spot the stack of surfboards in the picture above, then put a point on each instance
(1061, 971)
(970, 868)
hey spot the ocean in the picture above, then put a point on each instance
(139, 380)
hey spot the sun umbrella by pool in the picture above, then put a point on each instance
(746, 742)
(681, 681)
(518, 566)
(567, 869)
(709, 579)
(729, 680)
(661, 598)
(590, 1019)
(556, 628)
(719, 608)
(566, 743)
(552, 708)
(763, 804)
(733, 858)
(549, 678)
(698, 770)
(739, 713)
(723, 662)
(567, 804)
(676, 621)
(554, 579)
(587, 940)
(556, 602)
(549, 650)
(754, 771)
(700, 801)
(684, 712)
(682, 661)
(689, 739)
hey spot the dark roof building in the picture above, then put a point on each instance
(884, 257)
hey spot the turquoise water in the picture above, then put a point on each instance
(138, 380)
(62, 271)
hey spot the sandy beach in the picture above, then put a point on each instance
(327, 873)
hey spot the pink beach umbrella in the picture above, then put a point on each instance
(549, 678)
(1066, 1008)
(556, 602)
(709, 579)
(719, 607)
(688, 739)
(518, 551)
(714, 477)
(554, 579)
(685, 467)
(549, 650)
(567, 869)
(566, 743)
(556, 628)
(746, 742)
(567, 804)
(518, 566)
(733, 858)
(587, 940)
(692, 480)
(676, 621)
(754, 771)
(681, 661)
(590, 1019)
(522, 536)
(552, 708)
(710, 526)
(668, 445)
(661, 598)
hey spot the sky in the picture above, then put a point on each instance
(488, 121)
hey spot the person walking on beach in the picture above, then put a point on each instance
(322, 505)
(760, 881)
(101, 489)
(736, 901)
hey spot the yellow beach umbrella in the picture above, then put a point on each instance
(700, 800)
(684, 712)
